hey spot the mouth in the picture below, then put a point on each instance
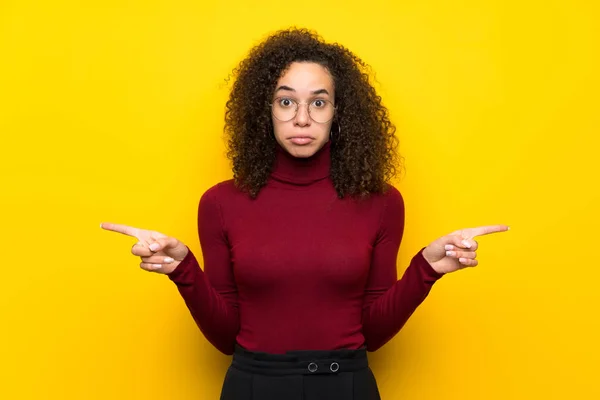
(301, 140)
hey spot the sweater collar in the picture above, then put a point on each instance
(302, 171)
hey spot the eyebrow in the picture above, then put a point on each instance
(318, 91)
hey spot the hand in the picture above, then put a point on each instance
(159, 253)
(457, 250)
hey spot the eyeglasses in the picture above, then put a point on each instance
(285, 109)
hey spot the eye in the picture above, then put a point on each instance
(285, 102)
(319, 103)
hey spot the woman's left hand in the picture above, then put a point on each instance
(458, 249)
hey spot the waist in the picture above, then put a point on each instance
(303, 362)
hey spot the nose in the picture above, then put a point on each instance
(302, 116)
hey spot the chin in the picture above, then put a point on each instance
(301, 151)
(304, 151)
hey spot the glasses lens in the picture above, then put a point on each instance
(284, 109)
(321, 110)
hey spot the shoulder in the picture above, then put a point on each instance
(392, 193)
(391, 206)
(224, 192)
(219, 189)
(380, 203)
(390, 198)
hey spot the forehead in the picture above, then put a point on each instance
(306, 75)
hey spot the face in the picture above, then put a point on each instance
(307, 84)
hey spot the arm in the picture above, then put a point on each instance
(210, 295)
(389, 302)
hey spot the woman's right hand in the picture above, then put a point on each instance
(159, 253)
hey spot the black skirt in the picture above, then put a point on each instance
(300, 375)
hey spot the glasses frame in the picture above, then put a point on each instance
(298, 104)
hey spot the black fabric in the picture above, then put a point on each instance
(300, 375)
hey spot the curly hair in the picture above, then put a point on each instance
(363, 156)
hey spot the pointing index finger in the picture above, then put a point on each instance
(124, 229)
(485, 230)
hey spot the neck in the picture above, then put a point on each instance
(302, 171)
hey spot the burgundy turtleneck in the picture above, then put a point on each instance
(297, 268)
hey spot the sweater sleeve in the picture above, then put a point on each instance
(389, 302)
(210, 295)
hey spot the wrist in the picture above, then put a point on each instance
(426, 255)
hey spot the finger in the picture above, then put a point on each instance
(463, 244)
(141, 249)
(157, 260)
(461, 254)
(468, 262)
(124, 229)
(485, 230)
(163, 243)
(150, 267)
(457, 241)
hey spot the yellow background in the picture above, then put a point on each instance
(113, 111)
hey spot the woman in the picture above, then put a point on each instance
(300, 248)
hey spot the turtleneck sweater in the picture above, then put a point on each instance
(298, 268)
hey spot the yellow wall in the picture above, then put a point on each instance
(114, 112)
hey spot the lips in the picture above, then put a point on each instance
(301, 140)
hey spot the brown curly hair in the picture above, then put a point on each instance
(363, 156)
